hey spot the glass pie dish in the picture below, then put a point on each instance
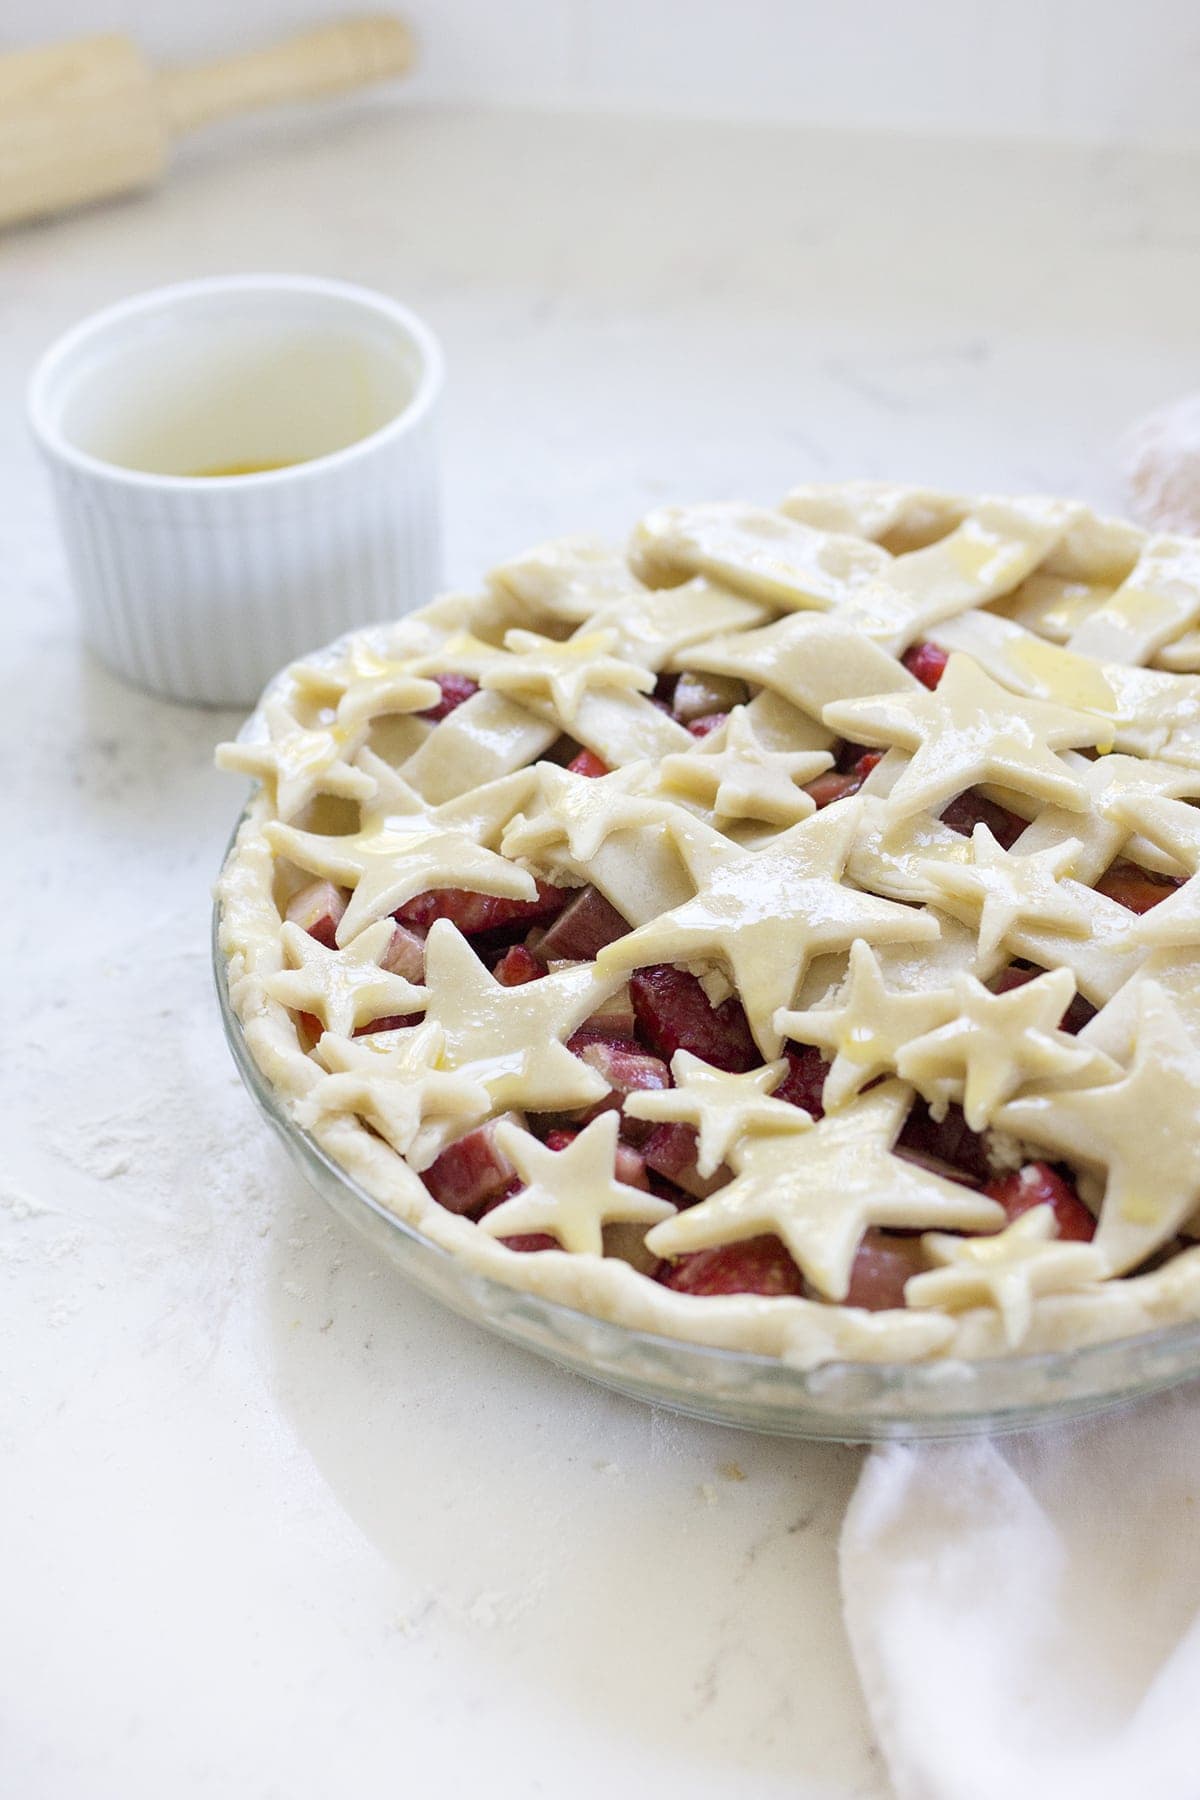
(845, 1401)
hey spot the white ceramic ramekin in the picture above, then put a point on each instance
(200, 586)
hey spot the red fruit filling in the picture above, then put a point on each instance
(317, 908)
(805, 1078)
(1037, 1184)
(612, 1020)
(628, 1069)
(405, 955)
(390, 1022)
(586, 923)
(475, 913)
(758, 1265)
(670, 1152)
(927, 663)
(706, 723)
(588, 763)
(673, 1013)
(470, 1172)
(1080, 1012)
(948, 1145)
(968, 810)
(838, 784)
(1136, 888)
(455, 689)
(882, 1265)
(517, 966)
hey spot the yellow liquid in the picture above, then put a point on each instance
(242, 468)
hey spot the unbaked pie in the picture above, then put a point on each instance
(781, 936)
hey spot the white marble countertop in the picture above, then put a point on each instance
(273, 1524)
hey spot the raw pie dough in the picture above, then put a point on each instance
(869, 928)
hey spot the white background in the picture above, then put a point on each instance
(1093, 69)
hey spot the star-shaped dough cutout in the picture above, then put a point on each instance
(392, 1080)
(572, 1193)
(819, 1192)
(299, 762)
(968, 731)
(1144, 1128)
(582, 811)
(343, 988)
(867, 1027)
(997, 1044)
(365, 683)
(810, 659)
(1173, 826)
(766, 913)
(511, 1038)
(1006, 1270)
(541, 667)
(724, 1108)
(735, 775)
(403, 848)
(1005, 891)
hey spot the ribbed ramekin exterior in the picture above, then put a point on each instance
(201, 592)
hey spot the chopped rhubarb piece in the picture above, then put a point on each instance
(758, 1265)
(1081, 1012)
(670, 1151)
(882, 1265)
(317, 908)
(628, 1069)
(517, 966)
(968, 810)
(948, 1146)
(475, 913)
(673, 1013)
(405, 955)
(612, 1020)
(586, 923)
(1037, 1184)
(629, 1165)
(706, 724)
(926, 662)
(805, 1078)
(530, 1241)
(455, 689)
(310, 1025)
(839, 785)
(470, 1172)
(700, 696)
(588, 763)
(1135, 888)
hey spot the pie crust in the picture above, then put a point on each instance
(935, 839)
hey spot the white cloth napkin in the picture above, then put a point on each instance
(1025, 1613)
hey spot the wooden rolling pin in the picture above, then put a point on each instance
(89, 119)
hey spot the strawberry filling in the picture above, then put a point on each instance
(1135, 888)
(968, 810)
(926, 662)
(588, 763)
(476, 913)
(839, 784)
(758, 1265)
(1038, 1184)
(1080, 1012)
(706, 724)
(455, 689)
(517, 966)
